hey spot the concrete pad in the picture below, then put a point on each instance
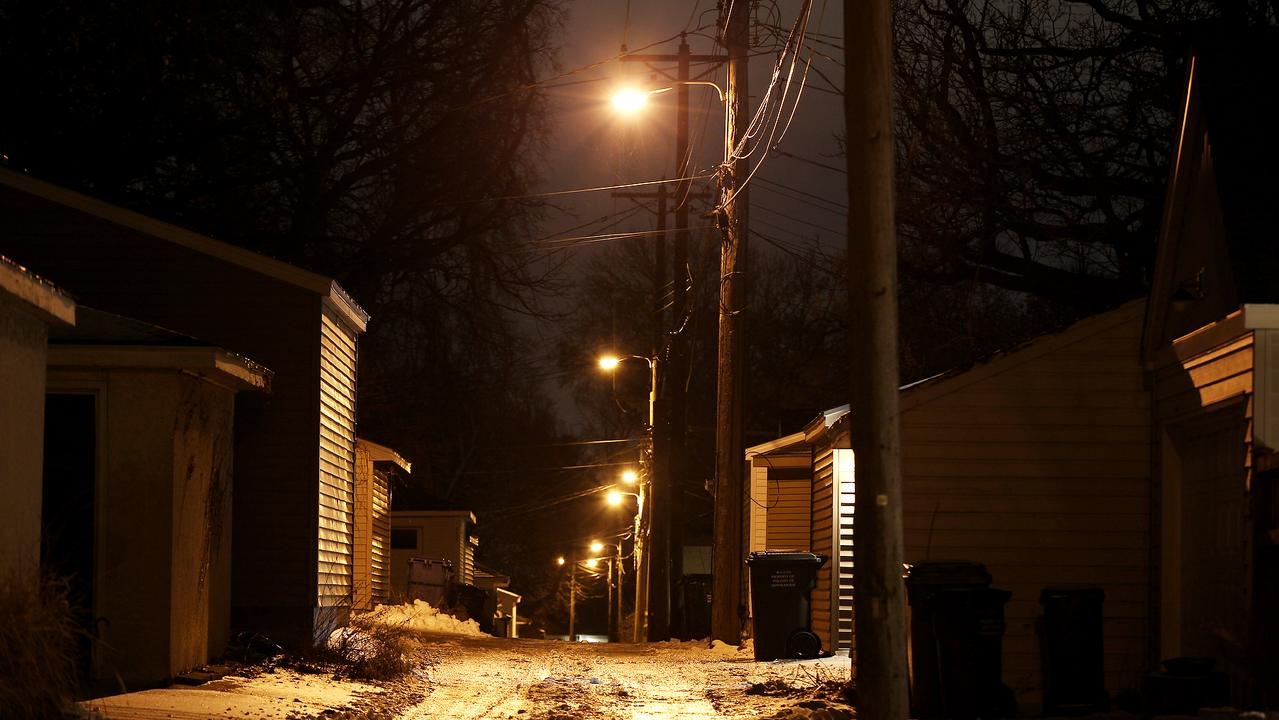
(280, 694)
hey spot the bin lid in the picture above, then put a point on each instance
(430, 561)
(956, 572)
(784, 556)
(1076, 592)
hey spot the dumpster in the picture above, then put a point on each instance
(1074, 683)
(429, 580)
(780, 587)
(956, 643)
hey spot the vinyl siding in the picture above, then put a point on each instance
(371, 551)
(789, 518)
(846, 487)
(822, 541)
(1037, 464)
(337, 463)
(1204, 404)
(380, 550)
(362, 576)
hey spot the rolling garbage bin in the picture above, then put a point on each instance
(429, 580)
(956, 642)
(1074, 680)
(780, 587)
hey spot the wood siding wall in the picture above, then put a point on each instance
(1204, 410)
(758, 517)
(337, 463)
(1037, 464)
(823, 539)
(788, 502)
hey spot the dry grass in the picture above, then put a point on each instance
(368, 650)
(39, 677)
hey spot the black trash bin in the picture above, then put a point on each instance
(780, 587)
(1074, 679)
(956, 641)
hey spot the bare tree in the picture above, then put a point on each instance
(1033, 138)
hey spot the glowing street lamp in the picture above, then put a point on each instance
(630, 477)
(629, 101)
(596, 546)
(615, 497)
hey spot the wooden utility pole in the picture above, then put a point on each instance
(726, 598)
(879, 599)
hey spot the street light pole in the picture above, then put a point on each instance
(572, 600)
(671, 419)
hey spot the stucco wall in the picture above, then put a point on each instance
(23, 341)
(162, 581)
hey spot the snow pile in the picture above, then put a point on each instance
(422, 616)
(714, 647)
(719, 647)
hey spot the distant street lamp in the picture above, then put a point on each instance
(590, 564)
(614, 580)
(643, 521)
(615, 498)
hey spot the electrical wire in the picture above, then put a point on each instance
(801, 221)
(797, 195)
(815, 163)
(605, 237)
(575, 191)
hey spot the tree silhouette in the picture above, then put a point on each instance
(1033, 138)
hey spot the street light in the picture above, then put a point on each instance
(614, 497)
(632, 100)
(614, 581)
(643, 521)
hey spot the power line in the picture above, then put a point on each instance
(575, 191)
(792, 218)
(588, 239)
(828, 201)
(824, 166)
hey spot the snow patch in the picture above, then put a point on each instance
(705, 645)
(423, 616)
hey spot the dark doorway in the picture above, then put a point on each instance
(66, 517)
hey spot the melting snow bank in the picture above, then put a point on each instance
(422, 616)
(715, 647)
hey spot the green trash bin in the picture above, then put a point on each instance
(956, 629)
(782, 619)
(1074, 677)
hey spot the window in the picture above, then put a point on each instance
(404, 538)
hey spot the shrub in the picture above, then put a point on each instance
(373, 651)
(39, 673)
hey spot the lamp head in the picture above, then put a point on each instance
(613, 498)
(609, 362)
(629, 101)
(596, 546)
(559, 560)
(630, 477)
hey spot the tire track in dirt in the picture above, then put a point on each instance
(500, 679)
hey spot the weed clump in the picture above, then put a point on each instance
(370, 650)
(39, 672)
